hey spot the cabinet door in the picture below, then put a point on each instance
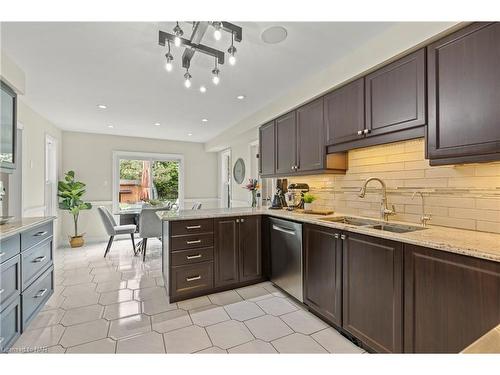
(267, 149)
(464, 95)
(286, 144)
(372, 291)
(345, 112)
(450, 300)
(226, 251)
(250, 254)
(323, 272)
(311, 136)
(395, 95)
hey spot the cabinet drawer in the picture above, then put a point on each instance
(180, 228)
(10, 324)
(10, 280)
(35, 235)
(192, 241)
(192, 278)
(36, 295)
(10, 247)
(34, 261)
(183, 257)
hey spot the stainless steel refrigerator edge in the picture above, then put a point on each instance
(286, 256)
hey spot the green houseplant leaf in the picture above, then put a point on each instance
(70, 193)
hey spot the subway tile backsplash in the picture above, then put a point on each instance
(461, 196)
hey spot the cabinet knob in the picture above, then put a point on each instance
(242, 220)
(366, 131)
(360, 132)
(336, 235)
(237, 220)
(343, 237)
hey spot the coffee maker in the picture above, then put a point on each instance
(295, 195)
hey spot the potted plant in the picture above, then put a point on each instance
(70, 194)
(308, 199)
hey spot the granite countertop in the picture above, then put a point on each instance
(467, 242)
(17, 226)
(488, 343)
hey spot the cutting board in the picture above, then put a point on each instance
(319, 212)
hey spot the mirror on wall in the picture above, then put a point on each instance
(8, 126)
(239, 171)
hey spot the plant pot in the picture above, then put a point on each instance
(307, 206)
(76, 241)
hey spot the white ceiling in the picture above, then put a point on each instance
(72, 67)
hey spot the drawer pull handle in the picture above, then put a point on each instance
(40, 234)
(188, 257)
(193, 242)
(194, 278)
(2, 290)
(41, 293)
(39, 259)
(2, 254)
(193, 227)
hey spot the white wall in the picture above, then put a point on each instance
(90, 156)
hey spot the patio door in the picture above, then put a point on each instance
(139, 178)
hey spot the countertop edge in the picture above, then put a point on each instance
(314, 219)
(23, 227)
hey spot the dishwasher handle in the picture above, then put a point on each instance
(284, 230)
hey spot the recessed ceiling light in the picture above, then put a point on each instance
(110, 126)
(157, 124)
(274, 34)
(102, 106)
(190, 134)
(240, 97)
(204, 120)
(203, 89)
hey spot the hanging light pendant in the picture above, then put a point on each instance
(232, 51)
(217, 33)
(178, 33)
(215, 74)
(187, 79)
(170, 58)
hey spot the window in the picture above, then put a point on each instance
(143, 177)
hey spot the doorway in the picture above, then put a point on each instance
(225, 182)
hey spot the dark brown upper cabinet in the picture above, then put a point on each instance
(345, 113)
(450, 300)
(372, 291)
(286, 143)
(310, 137)
(323, 272)
(238, 255)
(266, 145)
(464, 96)
(395, 95)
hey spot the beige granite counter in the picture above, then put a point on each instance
(17, 226)
(488, 343)
(472, 243)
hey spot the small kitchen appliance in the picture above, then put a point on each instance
(279, 200)
(295, 195)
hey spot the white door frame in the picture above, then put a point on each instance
(50, 176)
(145, 156)
(222, 181)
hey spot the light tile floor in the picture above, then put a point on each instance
(119, 305)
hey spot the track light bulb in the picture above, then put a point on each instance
(215, 77)
(217, 34)
(232, 60)
(187, 81)
(177, 41)
(168, 65)
(178, 33)
(232, 52)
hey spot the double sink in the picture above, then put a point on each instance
(373, 224)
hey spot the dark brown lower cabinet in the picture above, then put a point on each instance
(450, 300)
(372, 291)
(237, 250)
(323, 272)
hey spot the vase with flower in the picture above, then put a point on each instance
(253, 187)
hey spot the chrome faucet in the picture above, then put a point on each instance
(385, 212)
(425, 217)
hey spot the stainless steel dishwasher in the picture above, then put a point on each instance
(286, 256)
